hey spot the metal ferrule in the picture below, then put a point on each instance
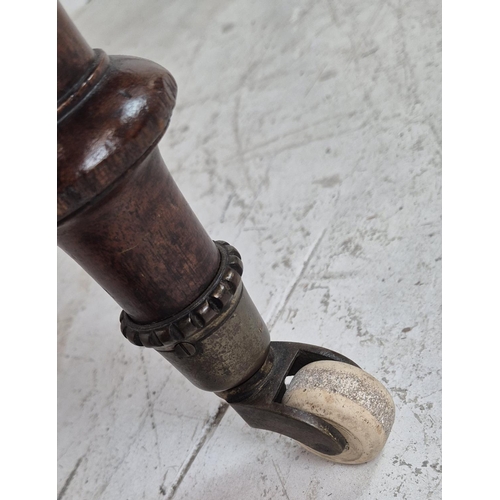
(220, 341)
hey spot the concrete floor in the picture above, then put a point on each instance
(307, 134)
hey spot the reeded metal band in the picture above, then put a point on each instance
(192, 324)
(220, 340)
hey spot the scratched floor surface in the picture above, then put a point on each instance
(308, 135)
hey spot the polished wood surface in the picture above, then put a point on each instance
(74, 55)
(143, 244)
(120, 214)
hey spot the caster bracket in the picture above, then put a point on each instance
(259, 400)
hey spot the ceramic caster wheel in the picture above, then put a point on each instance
(356, 403)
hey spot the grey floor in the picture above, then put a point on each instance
(308, 135)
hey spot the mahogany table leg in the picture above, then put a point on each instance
(124, 220)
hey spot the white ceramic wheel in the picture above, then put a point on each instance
(356, 403)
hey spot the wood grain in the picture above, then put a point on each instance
(120, 213)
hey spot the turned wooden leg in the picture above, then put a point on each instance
(124, 220)
(120, 214)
